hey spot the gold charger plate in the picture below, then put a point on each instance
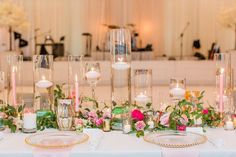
(175, 139)
(56, 139)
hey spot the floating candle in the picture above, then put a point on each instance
(177, 92)
(141, 98)
(92, 74)
(120, 65)
(44, 83)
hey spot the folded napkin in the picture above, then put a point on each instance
(95, 138)
(64, 152)
(180, 152)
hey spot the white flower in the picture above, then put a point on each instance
(13, 16)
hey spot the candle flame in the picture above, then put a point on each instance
(43, 77)
(120, 59)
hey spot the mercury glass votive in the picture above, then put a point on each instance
(14, 80)
(177, 89)
(65, 114)
(43, 83)
(143, 88)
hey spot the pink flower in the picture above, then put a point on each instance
(78, 121)
(107, 115)
(205, 111)
(164, 120)
(140, 125)
(92, 115)
(99, 122)
(137, 115)
(184, 119)
(181, 127)
(3, 115)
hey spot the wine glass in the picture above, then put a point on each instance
(92, 75)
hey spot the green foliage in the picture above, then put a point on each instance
(11, 116)
(46, 120)
(58, 93)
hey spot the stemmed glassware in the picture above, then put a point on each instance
(92, 74)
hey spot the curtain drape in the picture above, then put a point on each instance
(159, 22)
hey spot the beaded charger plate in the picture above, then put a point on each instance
(56, 139)
(175, 139)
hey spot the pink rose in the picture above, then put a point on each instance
(164, 120)
(205, 111)
(78, 121)
(140, 125)
(99, 122)
(181, 127)
(184, 119)
(137, 115)
(92, 115)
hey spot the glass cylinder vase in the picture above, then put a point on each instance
(75, 78)
(3, 99)
(120, 49)
(177, 89)
(43, 83)
(143, 88)
(14, 80)
(223, 82)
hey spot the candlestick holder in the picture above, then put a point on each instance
(14, 79)
(92, 76)
(107, 119)
(143, 88)
(29, 119)
(177, 89)
(150, 120)
(43, 83)
(75, 78)
(65, 114)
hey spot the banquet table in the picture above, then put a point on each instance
(221, 143)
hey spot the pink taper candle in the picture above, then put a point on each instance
(76, 94)
(13, 81)
(221, 92)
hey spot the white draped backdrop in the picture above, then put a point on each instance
(159, 22)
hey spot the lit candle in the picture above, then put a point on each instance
(44, 83)
(126, 126)
(13, 81)
(177, 92)
(141, 98)
(29, 121)
(221, 92)
(76, 94)
(229, 125)
(150, 123)
(120, 64)
(92, 74)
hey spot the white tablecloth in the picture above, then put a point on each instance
(117, 144)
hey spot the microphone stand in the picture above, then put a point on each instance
(181, 40)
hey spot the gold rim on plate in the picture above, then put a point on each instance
(202, 139)
(29, 142)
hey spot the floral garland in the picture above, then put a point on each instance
(187, 113)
